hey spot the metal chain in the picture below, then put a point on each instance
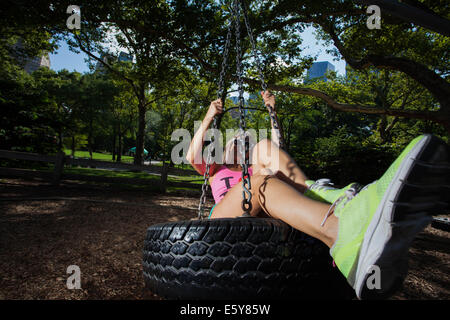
(220, 90)
(261, 75)
(244, 144)
(254, 53)
(206, 178)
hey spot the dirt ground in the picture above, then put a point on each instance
(102, 231)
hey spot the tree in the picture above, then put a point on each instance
(97, 96)
(195, 34)
(416, 52)
(27, 118)
(123, 118)
(153, 67)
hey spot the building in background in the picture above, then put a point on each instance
(35, 63)
(253, 97)
(318, 71)
(235, 112)
(253, 100)
(109, 58)
(124, 57)
(100, 67)
(30, 64)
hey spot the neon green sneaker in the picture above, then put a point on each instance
(378, 223)
(323, 190)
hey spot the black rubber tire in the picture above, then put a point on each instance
(239, 258)
(441, 224)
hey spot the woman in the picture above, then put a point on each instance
(224, 176)
(366, 229)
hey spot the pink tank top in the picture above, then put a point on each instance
(224, 180)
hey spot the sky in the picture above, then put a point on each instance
(63, 58)
(314, 47)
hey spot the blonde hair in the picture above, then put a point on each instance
(228, 155)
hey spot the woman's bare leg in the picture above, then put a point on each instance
(282, 201)
(267, 155)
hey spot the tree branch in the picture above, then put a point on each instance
(437, 86)
(156, 99)
(88, 52)
(426, 115)
(412, 14)
(430, 80)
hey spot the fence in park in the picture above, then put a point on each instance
(60, 160)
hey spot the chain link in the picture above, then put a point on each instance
(206, 176)
(254, 53)
(221, 86)
(244, 143)
(260, 73)
(220, 91)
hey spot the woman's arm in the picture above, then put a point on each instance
(194, 154)
(269, 100)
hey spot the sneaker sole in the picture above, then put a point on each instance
(420, 188)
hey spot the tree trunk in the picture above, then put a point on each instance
(138, 157)
(90, 139)
(60, 141)
(119, 149)
(114, 145)
(73, 146)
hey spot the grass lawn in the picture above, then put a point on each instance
(97, 156)
(136, 175)
(130, 174)
(108, 157)
(197, 179)
(110, 173)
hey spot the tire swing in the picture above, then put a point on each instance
(244, 257)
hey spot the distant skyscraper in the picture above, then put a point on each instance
(254, 96)
(123, 56)
(108, 58)
(35, 63)
(30, 64)
(318, 71)
(235, 99)
(235, 112)
(251, 96)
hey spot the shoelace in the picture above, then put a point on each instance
(349, 194)
(320, 184)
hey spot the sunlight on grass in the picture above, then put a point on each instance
(97, 156)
